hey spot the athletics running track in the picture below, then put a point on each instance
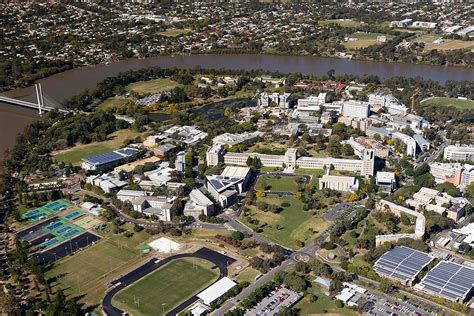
(221, 261)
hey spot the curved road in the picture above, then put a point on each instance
(216, 258)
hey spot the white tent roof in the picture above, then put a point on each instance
(216, 290)
(164, 244)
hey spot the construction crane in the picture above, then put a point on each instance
(415, 93)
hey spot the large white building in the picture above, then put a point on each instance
(389, 102)
(446, 172)
(224, 188)
(458, 152)
(198, 204)
(235, 139)
(158, 206)
(364, 166)
(408, 141)
(339, 183)
(356, 109)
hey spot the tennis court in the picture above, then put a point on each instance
(62, 231)
(74, 215)
(45, 210)
(88, 222)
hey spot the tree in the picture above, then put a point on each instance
(237, 235)
(470, 190)
(449, 188)
(260, 193)
(353, 197)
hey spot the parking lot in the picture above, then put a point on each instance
(383, 306)
(280, 296)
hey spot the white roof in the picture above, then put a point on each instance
(385, 176)
(164, 244)
(235, 172)
(88, 205)
(199, 198)
(216, 290)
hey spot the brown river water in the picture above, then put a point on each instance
(64, 85)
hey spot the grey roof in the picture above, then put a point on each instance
(402, 263)
(420, 140)
(450, 280)
(112, 156)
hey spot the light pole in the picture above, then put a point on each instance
(163, 307)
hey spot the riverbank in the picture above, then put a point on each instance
(222, 52)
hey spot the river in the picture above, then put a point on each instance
(64, 85)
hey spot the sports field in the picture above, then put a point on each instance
(170, 285)
(75, 154)
(364, 39)
(447, 44)
(86, 269)
(152, 86)
(460, 104)
(174, 32)
(290, 224)
(277, 183)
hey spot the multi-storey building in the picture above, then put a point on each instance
(458, 152)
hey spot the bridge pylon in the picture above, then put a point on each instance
(39, 97)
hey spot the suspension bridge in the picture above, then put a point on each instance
(40, 106)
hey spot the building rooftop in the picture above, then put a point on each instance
(402, 263)
(216, 290)
(450, 280)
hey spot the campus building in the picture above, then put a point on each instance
(408, 141)
(289, 160)
(108, 160)
(386, 181)
(159, 206)
(198, 204)
(390, 103)
(458, 152)
(356, 109)
(224, 188)
(447, 172)
(339, 183)
(386, 206)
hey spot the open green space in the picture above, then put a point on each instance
(277, 183)
(113, 102)
(152, 86)
(344, 23)
(323, 305)
(75, 154)
(170, 285)
(174, 32)
(83, 271)
(364, 39)
(458, 103)
(290, 224)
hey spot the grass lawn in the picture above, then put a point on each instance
(112, 102)
(344, 23)
(460, 104)
(248, 275)
(75, 154)
(323, 305)
(364, 40)
(277, 183)
(446, 45)
(152, 86)
(293, 223)
(171, 285)
(83, 272)
(174, 32)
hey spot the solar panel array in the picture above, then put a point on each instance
(450, 280)
(402, 263)
(103, 158)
